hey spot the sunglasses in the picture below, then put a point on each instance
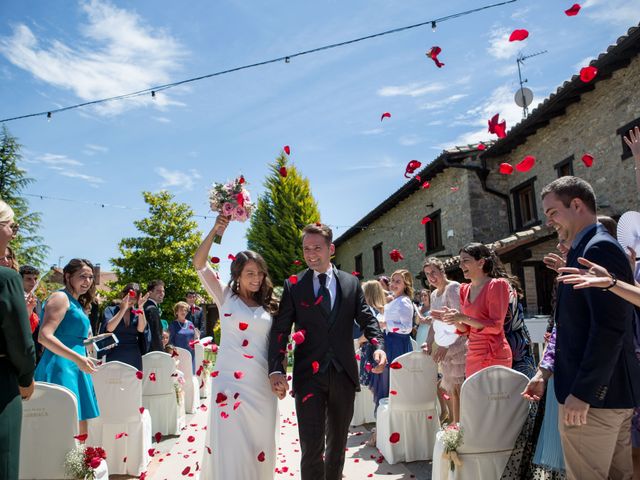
(14, 226)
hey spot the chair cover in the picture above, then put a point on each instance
(492, 413)
(191, 385)
(410, 411)
(119, 394)
(49, 423)
(363, 403)
(159, 396)
(202, 379)
(415, 346)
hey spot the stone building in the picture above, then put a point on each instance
(469, 200)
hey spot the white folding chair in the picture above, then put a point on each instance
(159, 394)
(202, 379)
(49, 423)
(363, 402)
(119, 394)
(191, 383)
(410, 411)
(492, 413)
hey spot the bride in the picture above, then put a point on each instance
(243, 412)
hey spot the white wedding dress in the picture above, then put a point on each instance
(243, 415)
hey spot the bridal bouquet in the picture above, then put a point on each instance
(452, 439)
(232, 200)
(81, 462)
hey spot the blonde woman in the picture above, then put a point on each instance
(182, 332)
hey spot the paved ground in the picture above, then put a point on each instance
(173, 455)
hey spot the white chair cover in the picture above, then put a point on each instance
(49, 423)
(119, 394)
(202, 379)
(411, 410)
(492, 413)
(159, 396)
(415, 346)
(363, 403)
(191, 383)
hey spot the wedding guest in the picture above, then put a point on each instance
(451, 352)
(196, 313)
(17, 356)
(153, 314)
(9, 259)
(128, 324)
(384, 282)
(65, 326)
(483, 307)
(422, 318)
(165, 338)
(633, 141)
(517, 333)
(30, 276)
(182, 333)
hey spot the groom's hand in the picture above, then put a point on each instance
(381, 360)
(279, 385)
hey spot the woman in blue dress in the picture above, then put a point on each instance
(128, 324)
(65, 326)
(182, 333)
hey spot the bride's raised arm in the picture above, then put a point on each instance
(208, 277)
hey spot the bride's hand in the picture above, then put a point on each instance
(279, 385)
(222, 222)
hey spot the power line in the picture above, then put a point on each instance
(286, 59)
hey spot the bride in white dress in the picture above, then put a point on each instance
(243, 413)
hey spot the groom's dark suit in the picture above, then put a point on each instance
(324, 400)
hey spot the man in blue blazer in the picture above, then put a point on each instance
(597, 375)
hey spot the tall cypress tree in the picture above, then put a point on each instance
(27, 245)
(281, 213)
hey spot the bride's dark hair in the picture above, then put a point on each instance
(264, 296)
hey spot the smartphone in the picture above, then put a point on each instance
(102, 342)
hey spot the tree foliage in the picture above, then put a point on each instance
(164, 251)
(27, 245)
(281, 213)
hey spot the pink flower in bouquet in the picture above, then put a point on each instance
(227, 209)
(240, 214)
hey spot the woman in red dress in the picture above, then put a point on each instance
(483, 307)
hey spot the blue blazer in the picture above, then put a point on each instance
(595, 359)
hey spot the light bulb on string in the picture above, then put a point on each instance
(153, 94)
(287, 60)
(433, 26)
(49, 116)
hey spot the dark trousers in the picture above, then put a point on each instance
(10, 426)
(324, 415)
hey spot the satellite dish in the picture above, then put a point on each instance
(524, 97)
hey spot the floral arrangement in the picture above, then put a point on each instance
(81, 462)
(179, 392)
(232, 200)
(452, 439)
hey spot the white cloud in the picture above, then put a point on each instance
(499, 45)
(373, 131)
(88, 178)
(619, 13)
(411, 90)
(55, 160)
(162, 119)
(117, 54)
(65, 166)
(176, 178)
(410, 140)
(438, 104)
(384, 163)
(92, 149)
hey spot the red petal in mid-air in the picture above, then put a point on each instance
(231, 257)
(411, 167)
(158, 437)
(293, 279)
(298, 337)
(395, 365)
(287, 149)
(482, 146)
(421, 246)
(433, 55)
(307, 397)
(426, 185)
(385, 115)
(396, 255)
(518, 35)
(283, 171)
(426, 220)
(573, 11)
(215, 259)
(394, 437)
(526, 164)
(238, 374)
(588, 73)
(506, 169)
(587, 159)
(315, 366)
(243, 326)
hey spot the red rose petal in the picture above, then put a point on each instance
(208, 449)
(417, 177)
(224, 415)
(120, 435)
(395, 365)
(298, 337)
(132, 293)
(152, 452)
(221, 397)
(152, 377)
(506, 169)
(215, 259)
(243, 326)
(141, 409)
(287, 149)
(245, 342)
(139, 375)
(368, 367)
(374, 341)
(191, 439)
(297, 262)
(238, 374)
(315, 366)
(307, 397)
(241, 180)
(426, 185)
(293, 279)
(499, 128)
(587, 159)
(433, 55)
(261, 457)
(385, 115)
(518, 35)
(82, 437)
(231, 257)
(158, 437)
(142, 476)
(482, 146)
(186, 470)
(421, 246)
(396, 255)
(411, 167)
(318, 300)
(355, 273)
(446, 396)
(588, 73)
(215, 373)
(247, 356)
(394, 437)
(426, 220)
(393, 392)
(283, 171)
(454, 189)
(526, 164)
(573, 11)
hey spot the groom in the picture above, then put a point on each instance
(323, 304)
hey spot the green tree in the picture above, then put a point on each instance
(281, 213)
(169, 239)
(28, 244)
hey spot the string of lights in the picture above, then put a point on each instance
(287, 59)
(205, 217)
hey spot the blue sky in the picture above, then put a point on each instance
(326, 106)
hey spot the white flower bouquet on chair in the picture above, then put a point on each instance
(81, 462)
(452, 440)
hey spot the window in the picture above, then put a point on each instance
(358, 263)
(378, 264)
(565, 167)
(623, 131)
(433, 233)
(524, 201)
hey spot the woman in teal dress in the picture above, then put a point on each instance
(64, 328)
